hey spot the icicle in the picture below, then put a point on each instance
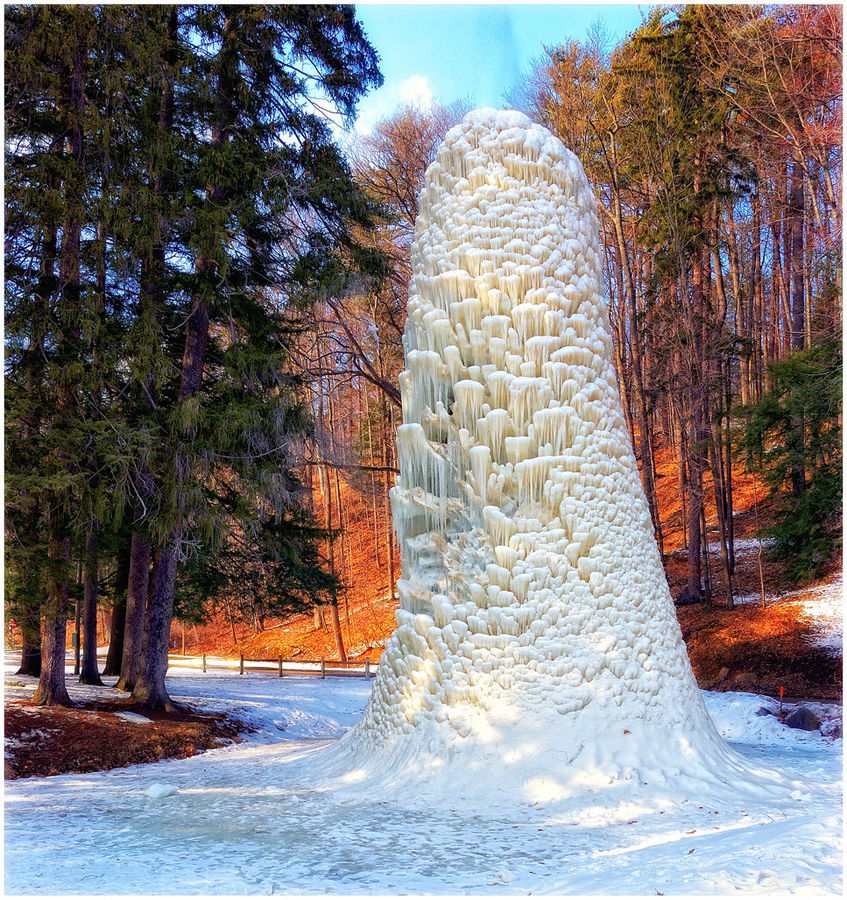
(531, 475)
(551, 427)
(506, 557)
(499, 526)
(540, 347)
(498, 388)
(430, 377)
(496, 327)
(497, 352)
(529, 319)
(498, 426)
(467, 312)
(525, 539)
(525, 396)
(518, 448)
(468, 403)
(480, 457)
(453, 359)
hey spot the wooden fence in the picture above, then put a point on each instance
(282, 667)
(322, 667)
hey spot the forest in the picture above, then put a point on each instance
(206, 293)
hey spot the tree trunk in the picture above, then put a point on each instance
(336, 630)
(704, 532)
(693, 591)
(798, 306)
(728, 475)
(798, 321)
(698, 435)
(90, 673)
(136, 609)
(52, 690)
(719, 485)
(31, 644)
(681, 456)
(77, 633)
(150, 691)
(336, 623)
(116, 638)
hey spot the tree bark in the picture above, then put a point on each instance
(90, 673)
(52, 690)
(149, 690)
(336, 622)
(116, 637)
(31, 644)
(136, 608)
(798, 306)
(389, 529)
(698, 435)
(798, 319)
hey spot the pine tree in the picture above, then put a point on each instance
(270, 208)
(807, 387)
(173, 196)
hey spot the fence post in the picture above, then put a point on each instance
(280, 667)
(323, 668)
(204, 662)
(241, 665)
(368, 667)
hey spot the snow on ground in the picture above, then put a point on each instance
(821, 607)
(249, 818)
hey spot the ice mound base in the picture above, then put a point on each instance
(537, 655)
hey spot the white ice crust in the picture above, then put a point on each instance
(537, 652)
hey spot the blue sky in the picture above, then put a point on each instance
(476, 52)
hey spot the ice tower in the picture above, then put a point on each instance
(536, 641)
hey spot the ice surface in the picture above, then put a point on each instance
(536, 636)
(243, 808)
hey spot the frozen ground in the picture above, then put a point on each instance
(250, 818)
(820, 607)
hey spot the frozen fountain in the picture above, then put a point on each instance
(537, 652)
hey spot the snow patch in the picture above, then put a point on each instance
(160, 791)
(135, 718)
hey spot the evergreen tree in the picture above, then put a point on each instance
(175, 202)
(807, 388)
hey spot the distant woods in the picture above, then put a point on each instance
(712, 137)
(205, 301)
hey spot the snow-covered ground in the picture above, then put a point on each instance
(820, 607)
(252, 818)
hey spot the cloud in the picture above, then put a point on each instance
(414, 90)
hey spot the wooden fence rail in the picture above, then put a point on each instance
(323, 667)
(279, 665)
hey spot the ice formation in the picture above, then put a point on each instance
(537, 643)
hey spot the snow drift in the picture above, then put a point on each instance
(537, 654)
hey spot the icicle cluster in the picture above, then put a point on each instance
(533, 601)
